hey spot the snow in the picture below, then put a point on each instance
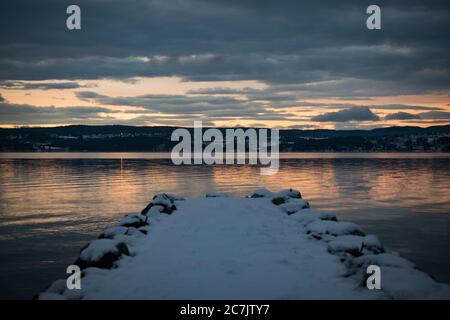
(351, 243)
(262, 193)
(245, 248)
(163, 199)
(334, 228)
(112, 232)
(98, 248)
(308, 216)
(291, 206)
(288, 193)
(154, 211)
(384, 259)
(135, 220)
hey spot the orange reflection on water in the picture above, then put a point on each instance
(97, 192)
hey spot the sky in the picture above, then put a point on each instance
(278, 64)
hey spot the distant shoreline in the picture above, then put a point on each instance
(158, 139)
(106, 155)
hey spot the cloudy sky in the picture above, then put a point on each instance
(285, 64)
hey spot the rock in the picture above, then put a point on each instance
(284, 195)
(134, 220)
(110, 233)
(320, 227)
(373, 244)
(262, 193)
(164, 200)
(356, 245)
(348, 244)
(132, 231)
(278, 200)
(146, 209)
(289, 193)
(293, 205)
(170, 209)
(101, 253)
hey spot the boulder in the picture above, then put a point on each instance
(101, 253)
(262, 193)
(164, 200)
(134, 220)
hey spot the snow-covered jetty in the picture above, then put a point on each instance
(264, 246)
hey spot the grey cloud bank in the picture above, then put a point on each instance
(278, 42)
(346, 115)
(40, 85)
(402, 116)
(300, 49)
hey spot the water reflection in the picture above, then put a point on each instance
(50, 207)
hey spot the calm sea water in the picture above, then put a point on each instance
(49, 208)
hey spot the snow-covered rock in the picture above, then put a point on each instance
(320, 227)
(101, 253)
(110, 233)
(164, 200)
(277, 197)
(134, 220)
(291, 199)
(262, 193)
(355, 245)
(289, 193)
(308, 216)
(291, 206)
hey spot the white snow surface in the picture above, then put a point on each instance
(245, 248)
(332, 227)
(98, 248)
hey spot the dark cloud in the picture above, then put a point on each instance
(212, 107)
(435, 115)
(170, 103)
(40, 85)
(302, 49)
(430, 115)
(287, 42)
(404, 107)
(418, 117)
(355, 98)
(222, 91)
(166, 113)
(27, 114)
(402, 116)
(376, 107)
(301, 126)
(347, 115)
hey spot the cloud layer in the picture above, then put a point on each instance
(301, 50)
(347, 115)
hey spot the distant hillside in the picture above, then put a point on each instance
(129, 138)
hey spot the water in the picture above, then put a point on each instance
(49, 208)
